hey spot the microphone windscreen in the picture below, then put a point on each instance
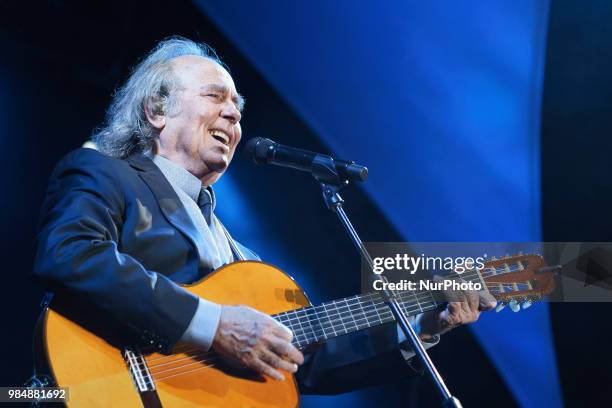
(256, 149)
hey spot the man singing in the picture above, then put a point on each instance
(122, 226)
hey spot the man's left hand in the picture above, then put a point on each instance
(464, 306)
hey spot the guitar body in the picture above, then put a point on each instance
(97, 373)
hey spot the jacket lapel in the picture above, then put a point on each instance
(171, 206)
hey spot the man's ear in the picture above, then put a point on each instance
(154, 109)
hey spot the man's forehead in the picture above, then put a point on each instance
(200, 68)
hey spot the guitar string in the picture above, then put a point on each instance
(333, 320)
(292, 322)
(337, 311)
(321, 325)
(293, 315)
(353, 304)
(369, 314)
(468, 275)
(295, 319)
(192, 371)
(211, 361)
(278, 316)
(182, 373)
(304, 332)
(367, 324)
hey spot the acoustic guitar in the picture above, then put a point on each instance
(101, 375)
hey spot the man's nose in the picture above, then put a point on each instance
(231, 113)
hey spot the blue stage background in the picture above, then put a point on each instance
(441, 100)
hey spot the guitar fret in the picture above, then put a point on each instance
(297, 337)
(314, 318)
(341, 319)
(350, 315)
(378, 307)
(358, 314)
(417, 301)
(308, 321)
(364, 313)
(377, 314)
(373, 316)
(329, 320)
(354, 308)
(302, 323)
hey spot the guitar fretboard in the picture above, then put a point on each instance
(316, 324)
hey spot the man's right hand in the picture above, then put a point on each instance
(256, 341)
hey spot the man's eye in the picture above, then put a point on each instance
(216, 96)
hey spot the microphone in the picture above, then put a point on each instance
(266, 151)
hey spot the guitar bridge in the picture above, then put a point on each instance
(139, 369)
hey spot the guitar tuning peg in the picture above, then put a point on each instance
(500, 306)
(514, 306)
(526, 304)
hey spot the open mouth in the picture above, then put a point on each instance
(221, 136)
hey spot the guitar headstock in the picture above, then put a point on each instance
(518, 280)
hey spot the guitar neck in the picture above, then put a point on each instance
(316, 324)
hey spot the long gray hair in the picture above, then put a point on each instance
(152, 82)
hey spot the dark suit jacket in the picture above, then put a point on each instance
(108, 226)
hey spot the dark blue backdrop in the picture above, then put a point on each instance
(442, 101)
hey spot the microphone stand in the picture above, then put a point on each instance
(324, 171)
